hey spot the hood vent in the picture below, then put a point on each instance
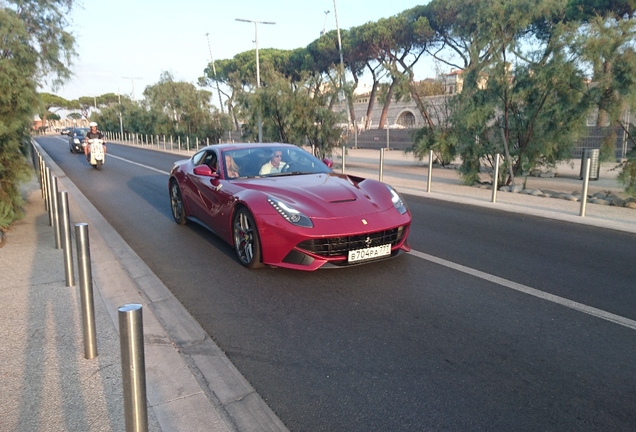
(342, 201)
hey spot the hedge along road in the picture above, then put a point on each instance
(405, 344)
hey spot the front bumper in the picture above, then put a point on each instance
(77, 147)
(327, 244)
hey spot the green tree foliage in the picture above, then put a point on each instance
(440, 137)
(169, 108)
(50, 101)
(34, 45)
(606, 44)
(524, 91)
(545, 101)
(294, 112)
(184, 110)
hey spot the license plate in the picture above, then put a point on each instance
(369, 253)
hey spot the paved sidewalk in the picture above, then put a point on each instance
(45, 382)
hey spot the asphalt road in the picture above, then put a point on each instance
(408, 344)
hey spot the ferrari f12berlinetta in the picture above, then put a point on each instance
(278, 205)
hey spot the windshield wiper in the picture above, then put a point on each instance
(289, 173)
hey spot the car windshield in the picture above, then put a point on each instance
(81, 131)
(270, 161)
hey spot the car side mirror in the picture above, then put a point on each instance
(206, 171)
(328, 162)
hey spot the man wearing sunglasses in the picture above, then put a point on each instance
(275, 164)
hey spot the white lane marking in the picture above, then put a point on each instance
(626, 322)
(138, 164)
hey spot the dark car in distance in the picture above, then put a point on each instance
(66, 130)
(76, 138)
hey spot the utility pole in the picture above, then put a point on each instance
(214, 73)
(132, 80)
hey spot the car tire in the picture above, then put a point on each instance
(176, 203)
(247, 243)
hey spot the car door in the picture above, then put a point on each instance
(192, 183)
(208, 195)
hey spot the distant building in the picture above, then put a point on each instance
(453, 81)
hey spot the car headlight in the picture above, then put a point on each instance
(397, 201)
(290, 214)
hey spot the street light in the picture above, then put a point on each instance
(132, 79)
(258, 71)
(214, 72)
(324, 26)
(342, 69)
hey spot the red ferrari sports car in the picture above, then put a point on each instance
(278, 205)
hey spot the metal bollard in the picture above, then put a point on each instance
(495, 179)
(42, 182)
(197, 144)
(344, 155)
(86, 290)
(65, 226)
(381, 164)
(48, 195)
(430, 171)
(164, 142)
(133, 367)
(55, 213)
(586, 182)
(179, 143)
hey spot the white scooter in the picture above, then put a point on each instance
(96, 155)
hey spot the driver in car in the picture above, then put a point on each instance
(275, 164)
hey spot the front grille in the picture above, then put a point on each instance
(330, 247)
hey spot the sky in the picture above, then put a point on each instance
(124, 46)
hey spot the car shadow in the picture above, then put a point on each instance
(141, 186)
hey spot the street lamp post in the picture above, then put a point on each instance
(342, 69)
(324, 26)
(258, 71)
(214, 72)
(132, 79)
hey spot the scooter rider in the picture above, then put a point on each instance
(91, 134)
